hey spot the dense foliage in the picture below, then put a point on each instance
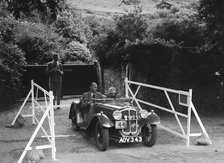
(172, 48)
(38, 42)
(167, 48)
(47, 9)
(76, 52)
(12, 62)
(172, 37)
(71, 26)
(29, 40)
(129, 27)
(212, 14)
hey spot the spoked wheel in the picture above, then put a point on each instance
(102, 137)
(149, 135)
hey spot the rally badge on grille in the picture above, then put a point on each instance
(120, 124)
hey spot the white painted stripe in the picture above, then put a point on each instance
(28, 115)
(196, 134)
(40, 147)
(61, 136)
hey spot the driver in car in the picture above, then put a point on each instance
(87, 98)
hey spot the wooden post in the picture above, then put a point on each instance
(189, 118)
(126, 88)
(32, 98)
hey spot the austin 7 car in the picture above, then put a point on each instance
(115, 119)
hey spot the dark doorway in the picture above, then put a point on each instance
(76, 78)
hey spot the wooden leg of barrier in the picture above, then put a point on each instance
(21, 108)
(200, 123)
(33, 136)
(53, 151)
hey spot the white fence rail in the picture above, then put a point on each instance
(185, 99)
(48, 113)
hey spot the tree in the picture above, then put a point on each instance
(12, 62)
(212, 14)
(129, 27)
(75, 52)
(71, 26)
(132, 26)
(3, 8)
(27, 7)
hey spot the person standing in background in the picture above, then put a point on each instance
(55, 71)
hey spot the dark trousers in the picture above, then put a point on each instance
(55, 86)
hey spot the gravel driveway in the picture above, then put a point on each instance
(76, 148)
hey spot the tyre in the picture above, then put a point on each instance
(74, 120)
(149, 135)
(102, 137)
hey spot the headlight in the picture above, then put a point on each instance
(144, 113)
(117, 115)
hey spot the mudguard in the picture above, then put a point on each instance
(73, 108)
(71, 112)
(153, 118)
(104, 120)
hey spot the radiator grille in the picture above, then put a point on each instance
(130, 115)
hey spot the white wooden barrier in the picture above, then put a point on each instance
(48, 112)
(185, 99)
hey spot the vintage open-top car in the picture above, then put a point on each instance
(116, 119)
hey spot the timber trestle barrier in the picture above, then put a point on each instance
(185, 99)
(48, 112)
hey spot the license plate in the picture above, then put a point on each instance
(120, 124)
(130, 139)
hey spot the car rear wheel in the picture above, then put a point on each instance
(102, 137)
(149, 135)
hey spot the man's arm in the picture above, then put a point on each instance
(99, 95)
(60, 70)
(49, 70)
(85, 98)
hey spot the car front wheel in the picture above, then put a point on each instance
(102, 137)
(149, 135)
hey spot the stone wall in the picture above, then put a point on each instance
(114, 77)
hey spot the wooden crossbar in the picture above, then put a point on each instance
(188, 103)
